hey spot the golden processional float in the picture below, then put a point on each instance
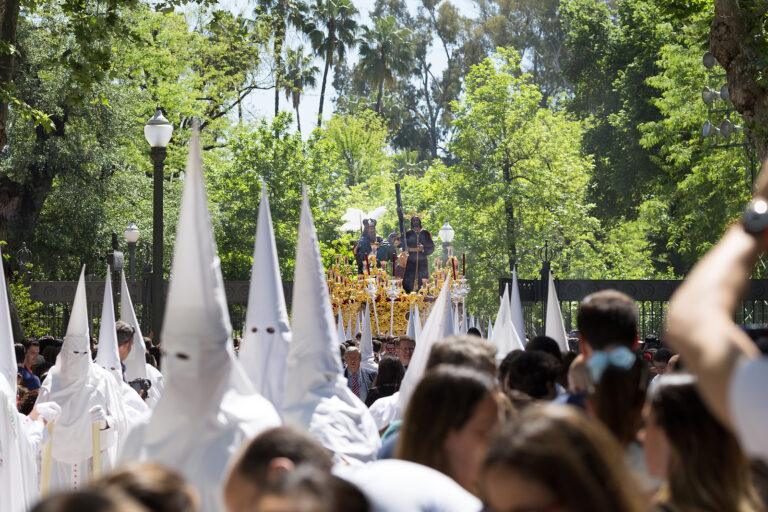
(390, 304)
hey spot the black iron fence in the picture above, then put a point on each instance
(57, 297)
(652, 297)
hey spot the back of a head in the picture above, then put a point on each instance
(391, 372)
(89, 500)
(608, 318)
(464, 351)
(545, 344)
(281, 442)
(568, 453)
(443, 401)
(662, 355)
(154, 486)
(533, 373)
(474, 331)
(309, 489)
(20, 351)
(707, 466)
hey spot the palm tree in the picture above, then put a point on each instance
(281, 13)
(384, 53)
(332, 31)
(300, 73)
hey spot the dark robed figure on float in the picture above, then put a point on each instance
(420, 246)
(368, 243)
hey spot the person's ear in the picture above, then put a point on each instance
(584, 348)
(636, 343)
(278, 468)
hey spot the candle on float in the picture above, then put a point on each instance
(463, 264)
(453, 268)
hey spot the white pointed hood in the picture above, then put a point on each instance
(554, 325)
(8, 366)
(516, 307)
(136, 362)
(439, 325)
(340, 326)
(107, 355)
(410, 330)
(208, 407)
(75, 355)
(316, 394)
(367, 359)
(417, 327)
(200, 366)
(267, 334)
(504, 335)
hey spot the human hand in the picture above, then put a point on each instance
(761, 182)
(98, 414)
(48, 411)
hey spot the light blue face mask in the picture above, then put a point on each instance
(620, 357)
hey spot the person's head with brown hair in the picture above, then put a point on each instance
(448, 422)
(701, 461)
(89, 500)
(125, 332)
(607, 322)
(465, 351)
(154, 486)
(267, 459)
(309, 489)
(555, 458)
(607, 319)
(405, 348)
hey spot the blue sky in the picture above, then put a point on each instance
(260, 104)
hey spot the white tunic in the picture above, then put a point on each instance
(19, 444)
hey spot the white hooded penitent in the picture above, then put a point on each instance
(316, 394)
(90, 400)
(267, 334)
(367, 359)
(340, 326)
(18, 448)
(136, 366)
(554, 326)
(504, 335)
(107, 355)
(208, 408)
(516, 307)
(439, 326)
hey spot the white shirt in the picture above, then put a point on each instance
(385, 410)
(749, 406)
(396, 485)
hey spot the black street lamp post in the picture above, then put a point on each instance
(131, 235)
(158, 132)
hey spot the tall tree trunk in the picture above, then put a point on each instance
(298, 118)
(379, 95)
(278, 56)
(9, 17)
(731, 42)
(509, 209)
(322, 89)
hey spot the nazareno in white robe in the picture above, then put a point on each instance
(20, 439)
(67, 457)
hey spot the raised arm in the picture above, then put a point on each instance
(700, 323)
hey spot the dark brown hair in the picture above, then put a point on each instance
(608, 318)
(707, 469)
(444, 400)
(153, 486)
(286, 442)
(617, 400)
(572, 455)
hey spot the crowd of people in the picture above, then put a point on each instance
(297, 420)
